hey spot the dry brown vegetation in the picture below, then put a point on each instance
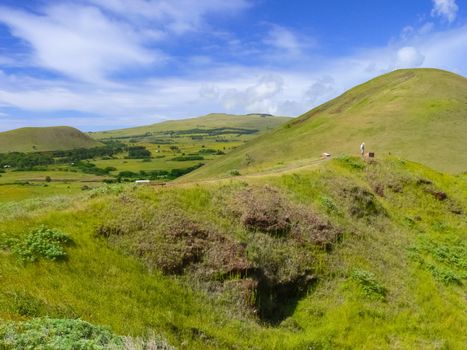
(268, 268)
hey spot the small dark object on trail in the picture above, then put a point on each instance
(371, 155)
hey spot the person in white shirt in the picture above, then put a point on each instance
(362, 149)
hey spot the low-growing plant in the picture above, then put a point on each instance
(447, 262)
(41, 242)
(369, 284)
(47, 333)
(351, 162)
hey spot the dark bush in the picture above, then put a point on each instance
(138, 152)
(363, 203)
(267, 210)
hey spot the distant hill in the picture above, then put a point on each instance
(416, 114)
(44, 139)
(260, 122)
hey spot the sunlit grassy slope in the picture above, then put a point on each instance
(210, 121)
(394, 280)
(417, 114)
(44, 139)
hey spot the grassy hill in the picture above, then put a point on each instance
(259, 122)
(44, 139)
(351, 255)
(417, 114)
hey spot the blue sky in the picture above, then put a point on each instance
(102, 64)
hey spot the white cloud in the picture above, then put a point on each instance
(90, 40)
(284, 39)
(255, 98)
(177, 16)
(409, 57)
(80, 42)
(446, 9)
(323, 87)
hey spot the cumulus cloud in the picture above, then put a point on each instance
(323, 87)
(256, 98)
(409, 57)
(446, 9)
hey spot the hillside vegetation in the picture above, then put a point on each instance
(349, 255)
(44, 139)
(417, 114)
(255, 123)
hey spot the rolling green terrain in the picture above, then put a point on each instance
(417, 114)
(174, 148)
(261, 248)
(44, 139)
(214, 124)
(349, 255)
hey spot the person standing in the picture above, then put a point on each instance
(362, 149)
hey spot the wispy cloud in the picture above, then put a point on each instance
(446, 9)
(80, 42)
(285, 40)
(177, 16)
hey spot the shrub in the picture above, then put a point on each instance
(46, 333)
(48, 179)
(370, 286)
(41, 242)
(267, 210)
(363, 203)
(263, 209)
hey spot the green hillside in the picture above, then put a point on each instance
(259, 122)
(353, 255)
(417, 114)
(44, 139)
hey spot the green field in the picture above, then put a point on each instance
(204, 138)
(394, 277)
(44, 139)
(21, 185)
(417, 114)
(209, 122)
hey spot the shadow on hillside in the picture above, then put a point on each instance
(278, 301)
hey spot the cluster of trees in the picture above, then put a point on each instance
(188, 157)
(25, 161)
(138, 152)
(110, 149)
(211, 151)
(89, 168)
(156, 174)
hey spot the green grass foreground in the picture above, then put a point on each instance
(394, 279)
